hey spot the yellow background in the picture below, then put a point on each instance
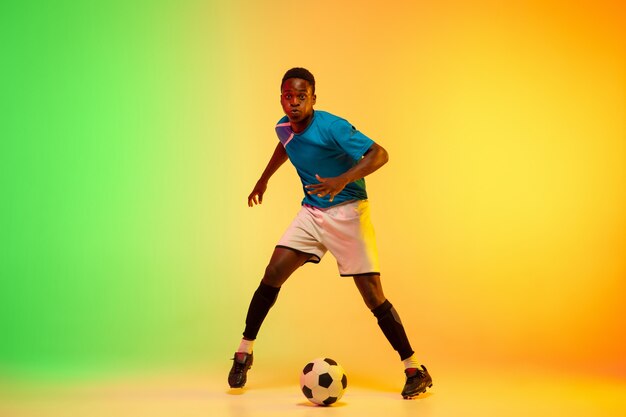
(500, 216)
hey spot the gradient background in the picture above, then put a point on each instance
(132, 133)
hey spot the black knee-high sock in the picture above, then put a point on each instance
(392, 327)
(262, 300)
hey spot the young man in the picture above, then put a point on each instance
(332, 158)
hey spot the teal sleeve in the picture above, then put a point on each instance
(349, 139)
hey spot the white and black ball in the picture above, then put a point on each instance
(323, 381)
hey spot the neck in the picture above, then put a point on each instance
(301, 126)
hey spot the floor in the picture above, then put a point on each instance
(495, 393)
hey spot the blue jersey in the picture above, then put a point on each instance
(329, 146)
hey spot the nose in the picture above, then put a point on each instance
(294, 102)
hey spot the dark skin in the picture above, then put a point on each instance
(297, 100)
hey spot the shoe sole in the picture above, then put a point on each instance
(411, 397)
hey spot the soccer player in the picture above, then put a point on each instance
(332, 158)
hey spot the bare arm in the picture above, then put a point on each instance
(374, 158)
(278, 158)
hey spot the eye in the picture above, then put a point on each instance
(287, 96)
(302, 96)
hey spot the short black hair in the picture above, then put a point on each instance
(301, 73)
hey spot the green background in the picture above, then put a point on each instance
(110, 222)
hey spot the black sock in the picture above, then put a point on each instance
(392, 327)
(262, 300)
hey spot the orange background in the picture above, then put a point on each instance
(500, 216)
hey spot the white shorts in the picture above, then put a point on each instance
(345, 230)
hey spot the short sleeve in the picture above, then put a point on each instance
(349, 139)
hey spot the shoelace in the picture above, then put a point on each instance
(238, 365)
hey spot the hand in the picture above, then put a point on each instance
(256, 196)
(326, 186)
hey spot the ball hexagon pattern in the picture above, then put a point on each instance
(323, 381)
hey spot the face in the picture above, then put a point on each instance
(297, 99)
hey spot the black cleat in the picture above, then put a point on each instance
(417, 380)
(238, 373)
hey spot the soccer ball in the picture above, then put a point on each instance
(323, 381)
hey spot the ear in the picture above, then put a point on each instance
(314, 98)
